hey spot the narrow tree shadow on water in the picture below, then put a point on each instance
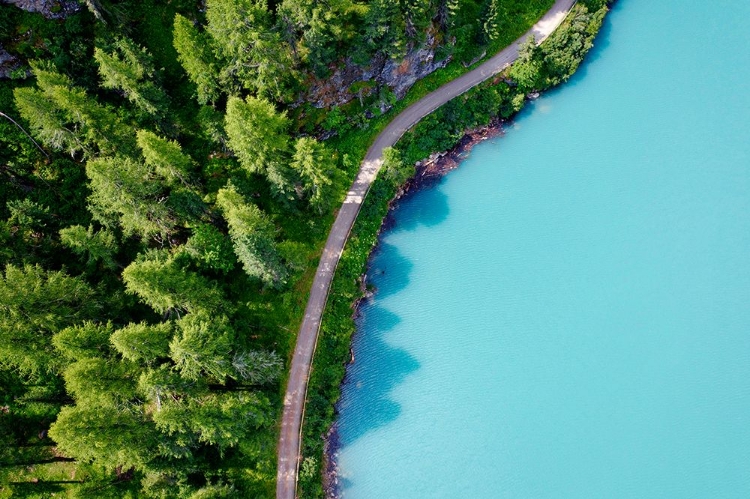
(366, 402)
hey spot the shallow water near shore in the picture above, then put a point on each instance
(568, 313)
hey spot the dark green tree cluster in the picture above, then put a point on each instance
(145, 287)
(553, 62)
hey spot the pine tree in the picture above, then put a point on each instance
(223, 421)
(109, 436)
(417, 16)
(130, 70)
(97, 382)
(385, 28)
(63, 116)
(94, 245)
(48, 122)
(258, 135)
(34, 305)
(255, 54)
(315, 167)
(491, 25)
(160, 283)
(211, 248)
(165, 157)
(84, 341)
(196, 54)
(203, 347)
(130, 193)
(253, 237)
(143, 342)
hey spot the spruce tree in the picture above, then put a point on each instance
(253, 236)
(196, 54)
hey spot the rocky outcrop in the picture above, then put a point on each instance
(51, 9)
(8, 63)
(350, 81)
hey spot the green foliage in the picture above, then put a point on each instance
(316, 31)
(95, 246)
(253, 52)
(394, 168)
(34, 305)
(100, 382)
(253, 237)
(257, 367)
(214, 492)
(210, 247)
(195, 53)
(203, 347)
(559, 56)
(84, 341)
(164, 381)
(143, 342)
(112, 438)
(165, 157)
(385, 29)
(220, 421)
(315, 167)
(130, 193)
(160, 283)
(130, 70)
(258, 135)
(65, 117)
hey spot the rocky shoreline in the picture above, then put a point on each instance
(428, 173)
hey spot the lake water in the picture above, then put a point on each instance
(568, 314)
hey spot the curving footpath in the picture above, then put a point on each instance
(294, 401)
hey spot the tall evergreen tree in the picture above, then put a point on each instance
(95, 246)
(111, 437)
(130, 193)
(203, 347)
(196, 54)
(98, 382)
(258, 135)
(89, 340)
(255, 53)
(165, 157)
(385, 28)
(143, 342)
(130, 70)
(315, 167)
(160, 283)
(34, 305)
(65, 117)
(253, 237)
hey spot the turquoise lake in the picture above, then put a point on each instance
(567, 315)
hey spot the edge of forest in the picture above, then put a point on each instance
(418, 167)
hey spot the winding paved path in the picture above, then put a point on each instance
(296, 392)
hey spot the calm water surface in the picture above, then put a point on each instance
(568, 314)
